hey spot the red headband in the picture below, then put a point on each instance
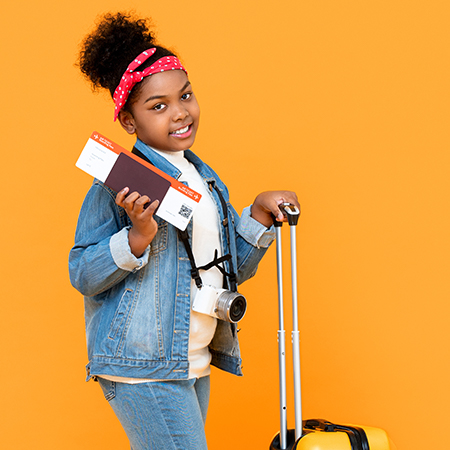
(130, 77)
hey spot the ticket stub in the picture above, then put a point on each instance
(119, 168)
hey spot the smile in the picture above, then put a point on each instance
(182, 132)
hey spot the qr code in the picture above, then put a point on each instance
(185, 211)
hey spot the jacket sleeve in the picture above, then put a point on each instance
(101, 256)
(252, 242)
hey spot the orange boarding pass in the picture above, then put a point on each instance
(118, 168)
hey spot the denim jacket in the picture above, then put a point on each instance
(137, 310)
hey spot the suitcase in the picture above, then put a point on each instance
(314, 434)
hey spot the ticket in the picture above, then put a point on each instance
(119, 168)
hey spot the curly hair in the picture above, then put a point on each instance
(106, 52)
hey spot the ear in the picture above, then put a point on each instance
(127, 121)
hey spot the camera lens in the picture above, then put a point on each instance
(237, 309)
(231, 306)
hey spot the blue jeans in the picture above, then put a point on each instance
(167, 415)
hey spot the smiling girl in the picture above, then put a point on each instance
(149, 350)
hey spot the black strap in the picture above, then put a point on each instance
(356, 435)
(141, 155)
(195, 275)
(216, 261)
(232, 275)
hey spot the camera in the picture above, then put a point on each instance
(220, 303)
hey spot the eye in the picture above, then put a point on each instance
(186, 96)
(159, 107)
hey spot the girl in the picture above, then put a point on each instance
(150, 352)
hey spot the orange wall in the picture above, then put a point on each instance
(345, 102)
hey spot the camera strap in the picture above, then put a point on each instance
(184, 237)
(195, 274)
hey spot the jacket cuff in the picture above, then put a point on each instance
(121, 252)
(254, 232)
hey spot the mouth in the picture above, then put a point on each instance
(182, 133)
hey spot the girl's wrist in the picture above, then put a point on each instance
(138, 242)
(261, 216)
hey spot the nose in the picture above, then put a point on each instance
(180, 112)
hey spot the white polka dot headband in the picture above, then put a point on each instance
(130, 77)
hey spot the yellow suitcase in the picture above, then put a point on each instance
(314, 434)
(320, 434)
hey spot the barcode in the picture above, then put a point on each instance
(185, 211)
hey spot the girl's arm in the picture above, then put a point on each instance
(144, 225)
(253, 229)
(102, 256)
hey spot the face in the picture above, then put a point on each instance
(165, 114)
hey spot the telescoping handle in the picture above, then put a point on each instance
(281, 340)
(292, 213)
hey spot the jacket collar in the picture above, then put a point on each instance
(157, 160)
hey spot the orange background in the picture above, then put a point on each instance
(347, 103)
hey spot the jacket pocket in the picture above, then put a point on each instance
(122, 311)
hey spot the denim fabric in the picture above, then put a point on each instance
(137, 310)
(167, 415)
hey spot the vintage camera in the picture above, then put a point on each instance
(220, 303)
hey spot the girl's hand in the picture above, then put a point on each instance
(265, 206)
(144, 225)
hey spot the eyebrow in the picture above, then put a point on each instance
(155, 97)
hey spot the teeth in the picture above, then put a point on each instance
(182, 130)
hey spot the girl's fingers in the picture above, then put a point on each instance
(130, 200)
(269, 204)
(151, 208)
(127, 201)
(135, 203)
(121, 196)
(140, 203)
(288, 197)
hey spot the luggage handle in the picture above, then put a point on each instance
(292, 213)
(356, 435)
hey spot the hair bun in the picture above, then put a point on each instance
(106, 52)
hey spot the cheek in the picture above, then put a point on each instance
(153, 125)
